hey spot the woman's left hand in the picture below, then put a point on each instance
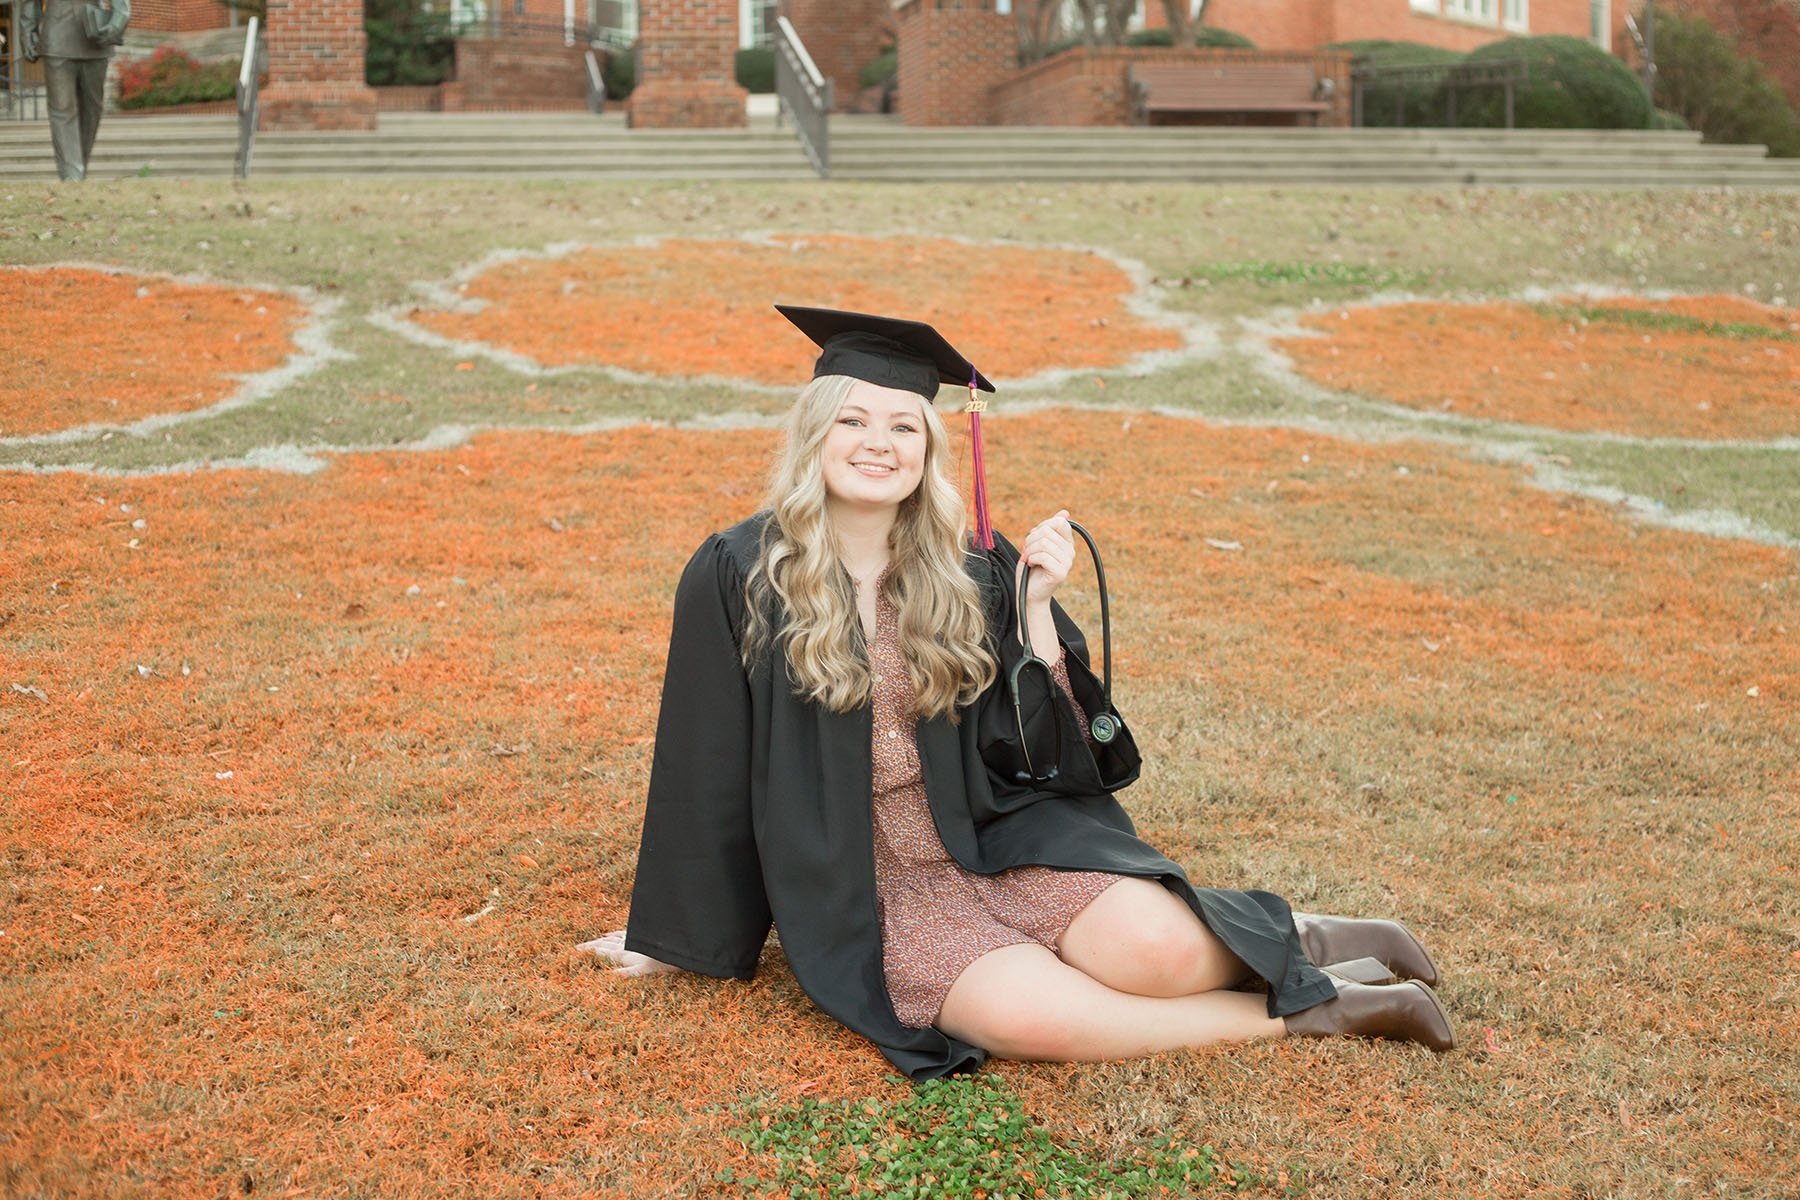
(1049, 549)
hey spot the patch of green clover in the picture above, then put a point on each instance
(1317, 274)
(1668, 322)
(966, 1138)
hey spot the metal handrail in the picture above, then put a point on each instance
(596, 85)
(805, 95)
(248, 88)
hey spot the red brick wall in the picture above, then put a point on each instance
(316, 67)
(1088, 87)
(842, 36)
(952, 53)
(517, 73)
(1302, 24)
(686, 66)
(178, 16)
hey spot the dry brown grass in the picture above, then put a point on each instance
(1420, 688)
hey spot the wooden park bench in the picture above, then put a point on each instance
(1238, 88)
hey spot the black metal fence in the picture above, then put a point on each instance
(22, 103)
(1426, 94)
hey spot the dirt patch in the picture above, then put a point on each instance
(666, 309)
(86, 347)
(313, 781)
(1698, 366)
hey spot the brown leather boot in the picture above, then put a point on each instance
(1361, 970)
(1337, 939)
(1401, 1012)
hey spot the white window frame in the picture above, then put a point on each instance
(1516, 15)
(747, 25)
(1426, 6)
(1472, 12)
(1600, 23)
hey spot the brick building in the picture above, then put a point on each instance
(1452, 24)
(957, 57)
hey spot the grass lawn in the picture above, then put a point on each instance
(336, 549)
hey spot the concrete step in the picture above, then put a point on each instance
(853, 159)
(580, 145)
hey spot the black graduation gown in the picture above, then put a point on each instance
(759, 811)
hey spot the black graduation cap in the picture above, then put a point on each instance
(890, 351)
(897, 353)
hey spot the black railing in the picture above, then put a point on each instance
(1434, 87)
(804, 95)
(248, 87)
(24, 102)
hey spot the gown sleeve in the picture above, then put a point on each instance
(698, 901)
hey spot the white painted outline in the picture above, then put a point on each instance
(1203, 342)
(314, 457)
(312, 349)
(1200, 337)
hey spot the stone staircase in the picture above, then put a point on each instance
(581, 146)
(881, 149)
(420, 145)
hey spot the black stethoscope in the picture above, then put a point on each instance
(1104, 727)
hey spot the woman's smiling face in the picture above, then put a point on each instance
(874, 455)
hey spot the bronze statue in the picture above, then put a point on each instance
(75, 38)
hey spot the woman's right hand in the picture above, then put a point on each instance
(611, 948)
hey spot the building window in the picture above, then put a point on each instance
(1425, 6)
(1600, 23)
(1518, 16)
(756, 22)
(1475, 11)
(1481, 11)
(614, 22)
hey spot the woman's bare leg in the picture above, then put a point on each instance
(1138, 937)
(1024, 1002)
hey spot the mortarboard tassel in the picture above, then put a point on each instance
(984, 526)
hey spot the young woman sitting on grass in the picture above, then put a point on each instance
(817, 767)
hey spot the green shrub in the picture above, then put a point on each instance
(1701, 77)
(1664, 119)
(1414, 104)
(1150, 37)
(755, 68)
(1208, 36)
(880, 69)
(1379, 52)
(619, 73)
(407, 45)
(1573, 85)
(172, 76)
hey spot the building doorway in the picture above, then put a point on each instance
(21, 83)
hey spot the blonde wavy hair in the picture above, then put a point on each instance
(943, 630)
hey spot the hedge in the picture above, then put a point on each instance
(1206, 35)
(755, 69)
(1702, 79)
(880, 69)
(619, 73)
(1573, 85)
(172, 76)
